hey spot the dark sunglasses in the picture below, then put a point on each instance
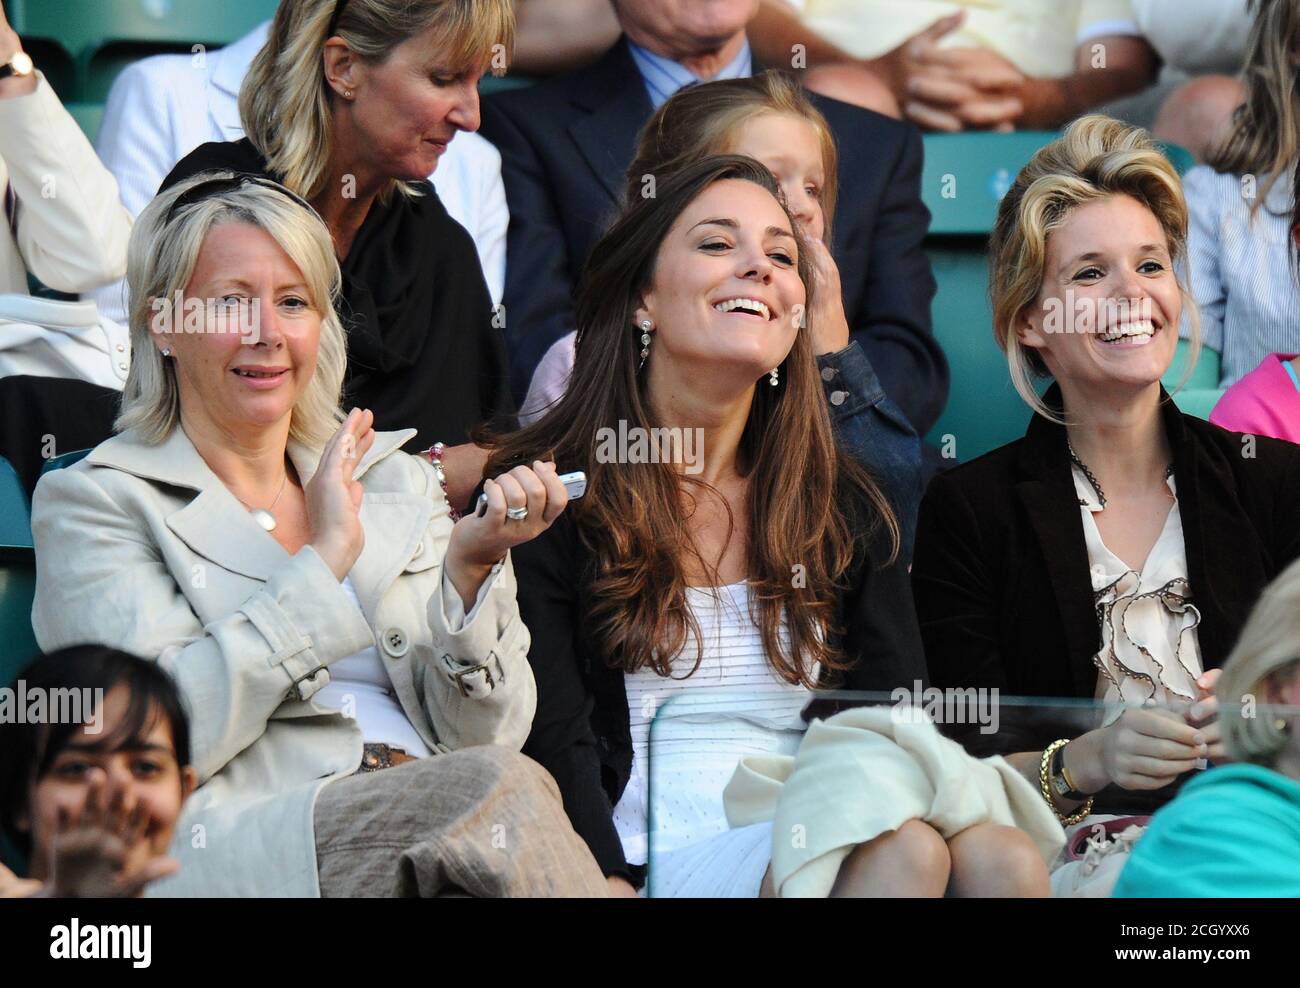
(216, 186)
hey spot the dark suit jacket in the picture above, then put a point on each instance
(565, 146)
(1001, 575)
(581, 731)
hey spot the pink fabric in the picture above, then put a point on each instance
(1264, 403)
(550, 380)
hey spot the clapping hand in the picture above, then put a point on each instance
(334, 498)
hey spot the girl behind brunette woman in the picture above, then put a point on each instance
(776, 540)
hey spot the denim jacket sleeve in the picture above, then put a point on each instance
(874, 431)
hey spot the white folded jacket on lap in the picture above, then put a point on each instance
(865, 772)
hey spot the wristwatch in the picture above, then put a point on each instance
(1061, 783)
(20, 65)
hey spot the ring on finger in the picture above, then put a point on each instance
(517, 514)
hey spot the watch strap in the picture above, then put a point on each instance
(1061, 782)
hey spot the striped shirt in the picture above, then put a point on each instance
(663, 76)
(1240, 269)
(733, 705)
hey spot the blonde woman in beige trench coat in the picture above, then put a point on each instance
(254, 542)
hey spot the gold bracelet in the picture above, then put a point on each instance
(1044, 768)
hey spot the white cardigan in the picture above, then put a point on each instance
(71, 227)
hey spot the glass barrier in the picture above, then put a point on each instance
(742, 792)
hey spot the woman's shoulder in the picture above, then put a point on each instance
(984, 479)
(235, 156)
(1248, 458)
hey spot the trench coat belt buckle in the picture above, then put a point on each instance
(377, 756)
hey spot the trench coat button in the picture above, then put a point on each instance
(121, 348)
(395, 642)
(122, 367)
(837, 397)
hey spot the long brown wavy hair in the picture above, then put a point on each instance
(1265, 136)
(803, 530)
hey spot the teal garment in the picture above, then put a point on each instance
(1234, 832)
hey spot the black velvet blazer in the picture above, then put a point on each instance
(1001, 575)
(1003, 587)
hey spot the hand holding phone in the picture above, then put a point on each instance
(575, 483)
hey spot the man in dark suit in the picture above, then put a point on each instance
(566, 143)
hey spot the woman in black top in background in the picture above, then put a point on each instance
(350, 104)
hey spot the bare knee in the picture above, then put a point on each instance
(910, 861)
(1197, 115)
(989, 860)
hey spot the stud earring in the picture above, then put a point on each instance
(772, 378)
(167, 351)
(646, 326)
(347, 94)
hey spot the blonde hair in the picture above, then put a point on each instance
(161, 257)
(1265, 135)
(704, 120)
(1094, 159)
(1269, 648)
(285, 99)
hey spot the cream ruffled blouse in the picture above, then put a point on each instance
(1150, 652)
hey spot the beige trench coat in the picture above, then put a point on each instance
(143, 548)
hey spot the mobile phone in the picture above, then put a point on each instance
(575, 483)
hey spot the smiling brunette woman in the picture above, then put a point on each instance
(350, 105)
(768, 566)
(303, 582)
(1116, 550)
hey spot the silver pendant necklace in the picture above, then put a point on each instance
(263, 516)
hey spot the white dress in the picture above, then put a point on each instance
(688, 734)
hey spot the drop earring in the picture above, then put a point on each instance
(646, 326)
(772, 378)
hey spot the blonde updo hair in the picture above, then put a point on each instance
(1095, 158)
(1269, 648)
(285, 99)
(161, 257)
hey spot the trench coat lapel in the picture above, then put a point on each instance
(215, 525)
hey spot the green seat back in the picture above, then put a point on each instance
(64, 460)
(88, 24)
(963, 180)
(17, 576)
